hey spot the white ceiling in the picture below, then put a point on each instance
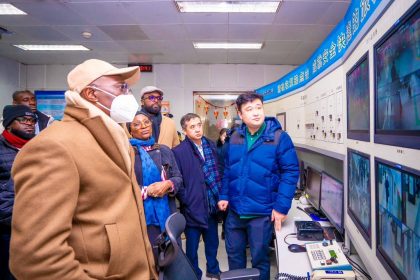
(154, 31)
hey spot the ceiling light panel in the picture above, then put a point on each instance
(228, 46)
(9, 9)
(228, 7)
(52, 47)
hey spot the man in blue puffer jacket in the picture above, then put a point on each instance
(261, 173)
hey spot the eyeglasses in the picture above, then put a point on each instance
(144, 124)
(154, 98)
(123, 88)
(23, 120)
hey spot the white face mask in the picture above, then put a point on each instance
(123, 107)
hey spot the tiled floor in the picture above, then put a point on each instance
(222, 258)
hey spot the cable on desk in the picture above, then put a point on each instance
(286, 276)
(359, 268)
(298, 207)
(288, 236)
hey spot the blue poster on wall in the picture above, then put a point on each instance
(51, 102)
(334, 47)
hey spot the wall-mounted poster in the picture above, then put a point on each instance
(51, 102)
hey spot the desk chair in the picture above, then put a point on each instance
(173, 263)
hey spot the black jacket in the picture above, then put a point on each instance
(193, 193)
(7, 193)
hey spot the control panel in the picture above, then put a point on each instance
(327, 255)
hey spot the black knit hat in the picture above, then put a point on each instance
(11, 112)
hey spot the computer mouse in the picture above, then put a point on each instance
(296, 248)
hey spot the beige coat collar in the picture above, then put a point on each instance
(109, 135)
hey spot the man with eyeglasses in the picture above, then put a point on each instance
(164, 128)
(19, 122)
(196, 158)
(78, 210)
(26, 97)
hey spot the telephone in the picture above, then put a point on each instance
(327, 255)
(333, 274)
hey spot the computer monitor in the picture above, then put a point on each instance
(313, 187)
(398, 219)
(332, 201)
(397, 82)
(359, 193)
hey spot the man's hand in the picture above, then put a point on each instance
(278, 218)
(223, 204)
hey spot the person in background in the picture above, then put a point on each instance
(164, 128)
(78, 210)
(220, 165)
(260, 177)
(157, 175)
(26, 97)
(219, 146)
(19, 121)
(196, 157)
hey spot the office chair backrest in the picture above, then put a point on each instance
(173, 263)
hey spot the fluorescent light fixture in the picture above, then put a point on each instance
(228, 6)
(228, 46)
(52, 47)
(9, 9)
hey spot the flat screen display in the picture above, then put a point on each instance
(358, 105)
(313, 187)
(359, 194)
(398, 219)
(397, 83)
(332, 200)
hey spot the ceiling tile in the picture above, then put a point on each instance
(253, 32)
(279, 46)
(207, 31)
(167, 32)
(74, 32)
(299, 32)
(301, 12)
(143, 46)
(153, 12)
(211, 57)
(239, 56)
(111, 13)
(124, 32)
(254, 18)
(204, 18)
(52, 12)
(40, 33)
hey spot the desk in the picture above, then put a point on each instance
(288, 262)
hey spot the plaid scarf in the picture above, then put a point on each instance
(211, 176)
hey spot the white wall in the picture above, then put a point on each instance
(12, 78)
(328, 96)
(178, 81)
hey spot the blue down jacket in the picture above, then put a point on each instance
(263, 178)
